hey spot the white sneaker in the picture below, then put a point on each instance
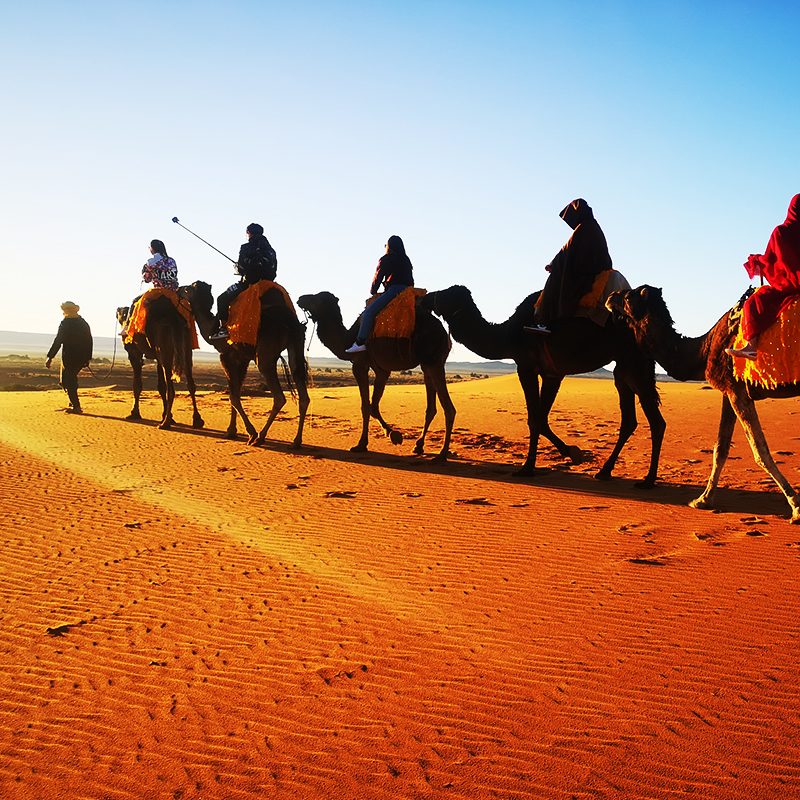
(356, 348)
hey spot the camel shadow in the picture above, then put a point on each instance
(729, 500)
(558, 477)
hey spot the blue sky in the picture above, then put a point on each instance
(463, 127)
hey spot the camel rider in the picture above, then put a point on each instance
(257, 262)
(780, 267)
(396, 273)
(160, 270)
(573, 270)
(75, 336)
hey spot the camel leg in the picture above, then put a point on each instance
(197, 420)
(430, 411)
(236, 372)
(745, 410)
(361, 374)
(378, 388)
(627, 425)
(549, 391)
(136, 359)
(722, 447)
(648, 399)
(297, 366)
(440, 384)
(269, 372)
(166, 388)
(529, 380)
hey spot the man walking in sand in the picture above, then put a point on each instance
(75, 335)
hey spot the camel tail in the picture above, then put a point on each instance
(287, 374)
(179, 364)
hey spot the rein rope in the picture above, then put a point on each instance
(113, 358)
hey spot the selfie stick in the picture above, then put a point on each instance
(178, 222)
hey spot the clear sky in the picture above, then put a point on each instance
(464, 127)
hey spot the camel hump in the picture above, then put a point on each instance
(398, 319)
(778, 361)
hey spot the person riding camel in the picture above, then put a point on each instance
(573, 270)
(780, 267)
(257, 262)
(395, 273)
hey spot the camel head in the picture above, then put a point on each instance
(637, 305)
(446, 302)
(199, 296)
(322, 304)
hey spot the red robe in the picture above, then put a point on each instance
(780, 267)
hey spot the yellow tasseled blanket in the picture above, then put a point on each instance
(396, 321)
(778, 352)
(138, 319)
(245, 312)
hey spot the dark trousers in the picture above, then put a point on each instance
(227, 297)
(69, 382)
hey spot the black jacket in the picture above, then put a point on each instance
(257, 261)
(75, 335)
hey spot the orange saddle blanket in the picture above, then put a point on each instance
(138, 319)
(396, 321)
(778, 359)
(245, 312)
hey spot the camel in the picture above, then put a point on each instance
(576, 345)
(167, 341)
(704, 358)
(279, 330)
(428, 347)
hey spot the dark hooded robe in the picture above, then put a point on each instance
(780, 267)
(577, 264)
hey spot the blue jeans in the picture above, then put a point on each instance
(371, 311)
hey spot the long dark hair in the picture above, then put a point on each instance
(158, 247)
(396, 245)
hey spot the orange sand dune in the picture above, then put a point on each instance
(187, 617)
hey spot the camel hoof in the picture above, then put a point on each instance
(647, 483)
(575, 455)
(525, 472)
(231, 434)
(701, 503)
(440, 458)
(419, 448)
(296, 445)
(603, 475)
(198, 422)
(166, 425)
(396, 437)
(358, 448)
(135, 415)
(256, 441)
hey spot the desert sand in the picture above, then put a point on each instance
(184, 616)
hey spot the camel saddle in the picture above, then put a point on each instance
(778, 359)
(593, 303)
(397, 320)
(138, 318)
(245, 312)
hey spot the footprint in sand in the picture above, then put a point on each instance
(343, 495)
